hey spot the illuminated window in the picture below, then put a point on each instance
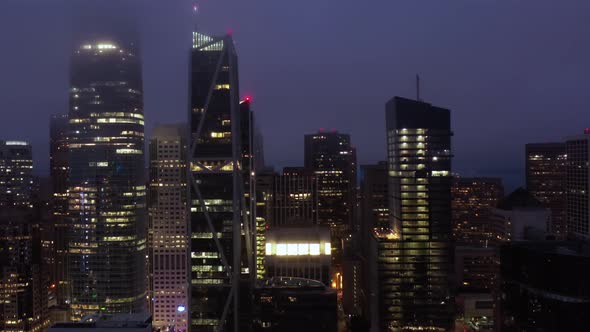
(327, 249)
(269, 249)
(221, 86)
(314, 249)
(303, 248)
(282, 249)
(292, 249)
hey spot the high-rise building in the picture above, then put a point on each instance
(414, 258)
(168, 228)
(58, 167)
(16, 174)
(108, 323)
(332, 158)
(473, 199)
(545, 179)
(23, 291)
(294, 199)
(264, 187)
(577, 173)
(107, 185)
(220, 161)
(23, 285)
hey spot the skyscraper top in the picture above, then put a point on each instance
(208, 43)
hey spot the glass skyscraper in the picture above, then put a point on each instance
(220, 159)
(106, 203)
(414, 257)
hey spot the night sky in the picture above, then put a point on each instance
(512, 72)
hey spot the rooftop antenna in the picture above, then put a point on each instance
(418, 87)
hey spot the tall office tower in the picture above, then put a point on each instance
(333, 160)
(294, 198)
(23, 291)
(577, 185)
(473, 199)
(16, 178)
(58, 168)
(218, 197)
(415, 258)
(545, 179)
(107, 209)
(168, 228)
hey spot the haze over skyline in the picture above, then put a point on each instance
(511, 72)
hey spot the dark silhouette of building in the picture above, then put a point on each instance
(473, 199)
(295, 304)
(544, 286)
(545, 179)
(221, 198)
(414, 258)
(58, 168)
(107, 206)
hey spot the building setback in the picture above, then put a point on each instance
(168, 228)
(106, 202)
(414, 258)
(545, 179)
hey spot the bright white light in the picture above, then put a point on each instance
(180, 308)
(292, 249)
(314, 249)
(269, 249)
(303, 249)
(327, 249)
(281, 249)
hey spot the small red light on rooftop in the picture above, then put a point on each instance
(230, 32)
(587, 131)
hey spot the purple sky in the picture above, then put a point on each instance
(512, 71)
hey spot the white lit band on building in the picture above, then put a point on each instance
(302, 252)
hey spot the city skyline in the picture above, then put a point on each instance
(482, 87)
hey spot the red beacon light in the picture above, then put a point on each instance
(586, 130)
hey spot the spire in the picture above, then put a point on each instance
(417, 87)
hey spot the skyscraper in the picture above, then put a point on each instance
(577, 178)
(219, 163)
(473, 199)
(545, 179)
(415, 257)
(58, 167)
(332, 158)
(168, 228)
(107, 231)
(294, 199)
(16, 174)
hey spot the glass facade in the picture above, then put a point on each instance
(577, 186)
(415, 256)
(106, 202)
(220, 161)
(16, 174)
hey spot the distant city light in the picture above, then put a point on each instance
(180, 308)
